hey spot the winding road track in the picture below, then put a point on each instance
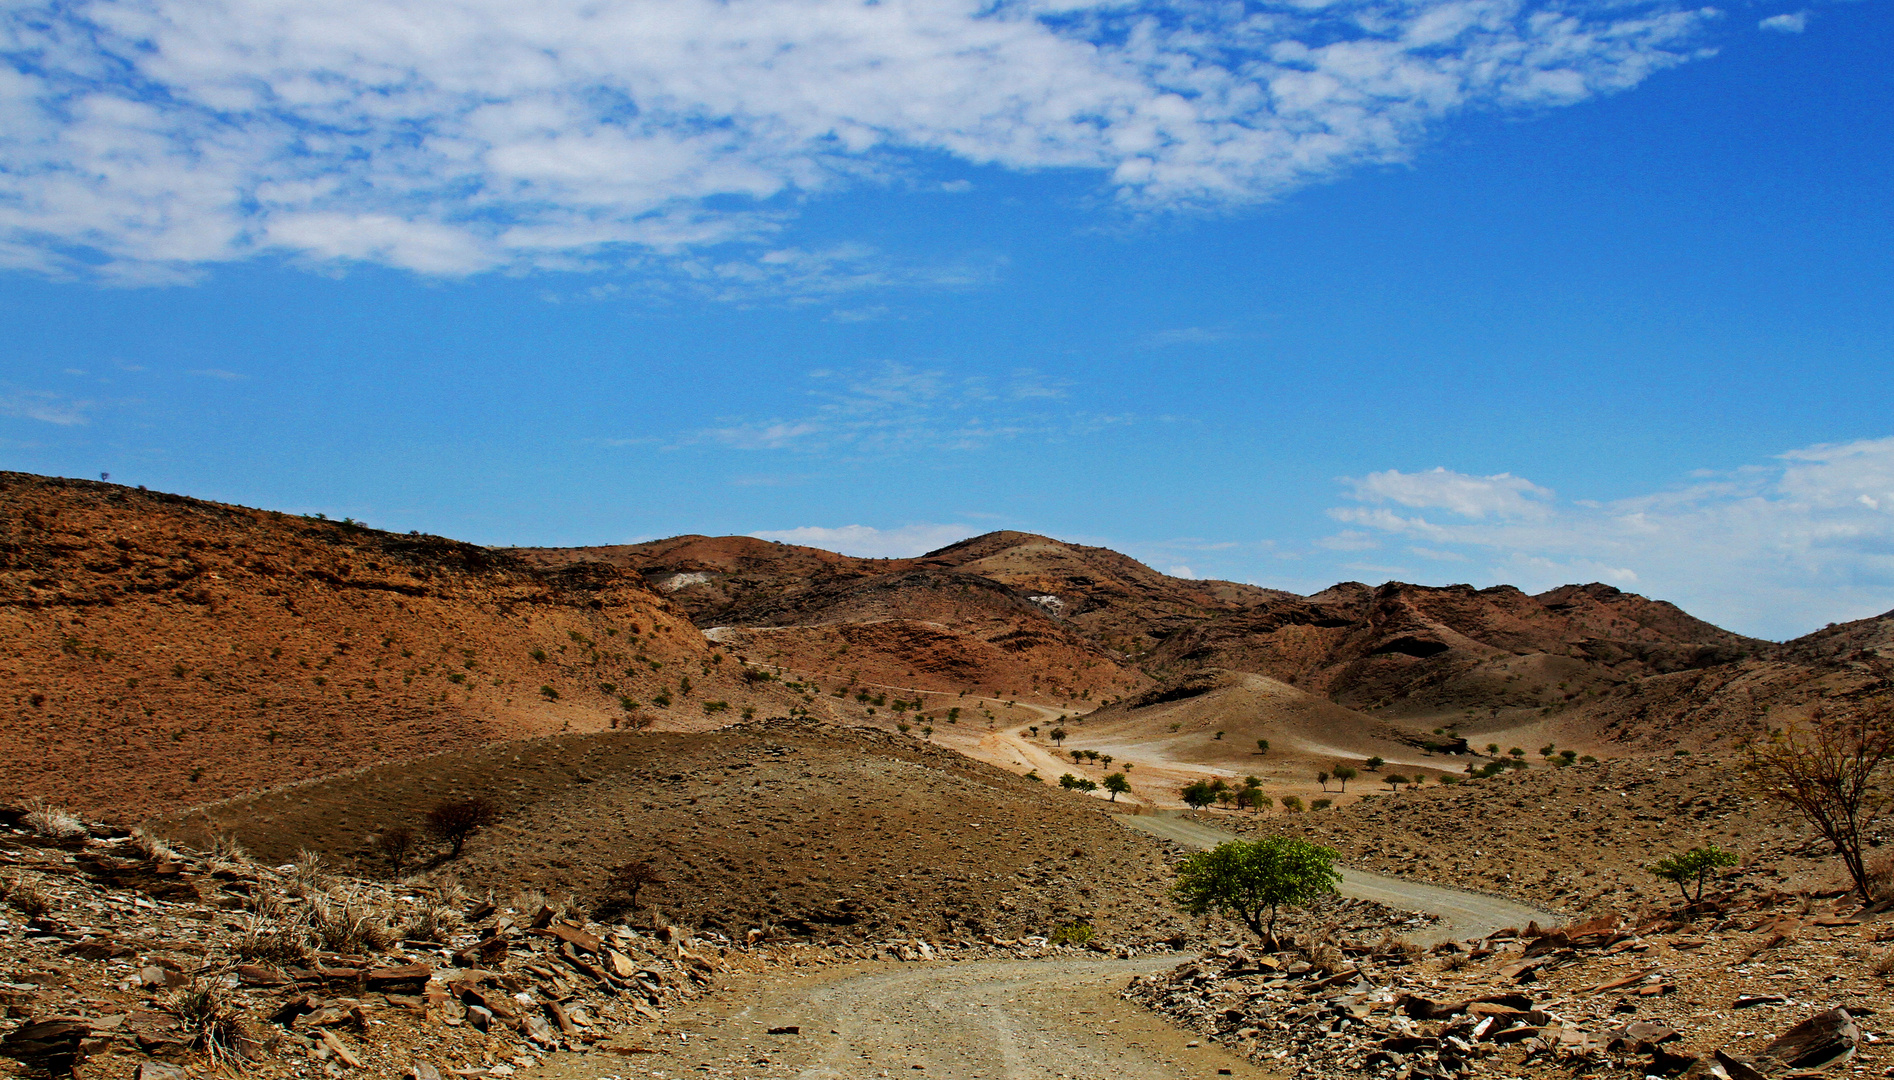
(1463, 914)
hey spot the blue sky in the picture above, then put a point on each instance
(1438, 291)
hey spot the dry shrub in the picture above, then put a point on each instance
(227, 854)
(275, 934)
(1455, 961)
(349, 921)
(1881, 877)
(52, 822)
(527, 902)
(434, 922)
(1325, 956)
(26, 897)
(215, 1023)
(1884, 964)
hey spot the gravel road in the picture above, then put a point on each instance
(968, 1020)
(1464, 914)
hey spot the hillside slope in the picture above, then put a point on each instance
(157, 650)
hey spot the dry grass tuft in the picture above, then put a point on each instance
(275, 934)
(26, 897)
(349, 921)
(52, 822)
(435, 922)
(152, 847)
(215, 1023)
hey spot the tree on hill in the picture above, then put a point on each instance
(1078, 756)
(1373, 763)
(397, 845)
(1251, 881)
(1262, 746)
(1058, 736)
(629, 879)
(1832, 768)
(1394, 780)
(455, 820)
(1117, 785)
(1345, 773)
(1696, 865)
(1322, 779)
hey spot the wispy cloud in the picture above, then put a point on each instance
(1185, 335)
(147, 139)
(866, 542)
(898, 409)
(1771, 549)
(1791, 23)
(44, 406)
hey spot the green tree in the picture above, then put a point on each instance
(1322, 779)
(953, 716)
(1199, 794)
(1373, 763)
(1078, 756)
(1517, 753)
(1292, 803)
(1068, 781)
(1345, 773)
(1262, 746)
(928, 730)
(1117, 785)
(1058, 736)
(1394, 780)
(1251, 881)
(1696, 865)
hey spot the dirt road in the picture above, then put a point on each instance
(971, 1020)
(1465, 914)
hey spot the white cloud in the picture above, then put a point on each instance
(1504, 495)
(1181, 571)
(44, 406)
(1773, 550)
(144, 139)
(870, 543)
(897, 409)
(1791, 23)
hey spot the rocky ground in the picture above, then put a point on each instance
(122, 956)
(1767, 985)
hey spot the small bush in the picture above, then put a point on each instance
(1321, 804)
(1072, 933)
(455, 820)
(549, 693)
(435, 922)
(151, 847)
(274, 934)
(397, 846)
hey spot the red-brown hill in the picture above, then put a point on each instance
(160, 650)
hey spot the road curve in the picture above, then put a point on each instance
(1464, 914)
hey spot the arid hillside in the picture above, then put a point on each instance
(157, 650)
(795, 828)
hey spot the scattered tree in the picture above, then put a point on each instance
(1262, 747)
(1078, 756)
(1345, 773)
(1035, 730)
(1373, 763)
(632, 878)
(454, 820)
(1696, 865)
(1058, 736)
(1292, 803)
(928, 730)
(1394, 780)
(1517, 753)
(1199, 794)
(1117, 785)
(1831, 769)
(396, 845)
(1548, 750)
(1251, 881)
(1492, 748)
(1322, 779)
(1321, 804)
(1568, 756)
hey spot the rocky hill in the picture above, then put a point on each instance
(157, 650)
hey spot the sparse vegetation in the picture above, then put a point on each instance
(215, 1023)
(630, 879)
(52, 822)
(26, 897)
(1345, 773)
(1072, 933)
(1117, 785)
